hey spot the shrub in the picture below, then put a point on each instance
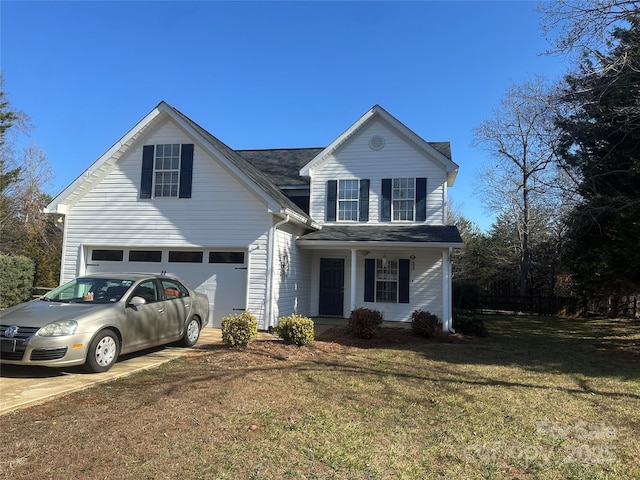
(239, 330)
(365, 323)
(16, 280)
(296, 329)
(469, 324)
(425, 324)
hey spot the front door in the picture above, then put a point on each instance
(331, 286)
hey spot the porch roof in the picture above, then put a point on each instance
(383, 235)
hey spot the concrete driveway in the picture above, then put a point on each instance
(26, 386)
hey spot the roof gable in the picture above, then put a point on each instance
(440, 151)
(241, 168)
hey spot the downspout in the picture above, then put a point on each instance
(270, 261)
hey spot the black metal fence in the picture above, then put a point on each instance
(536, 305)
(626, 306)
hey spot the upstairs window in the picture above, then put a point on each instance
(403, 200)
(166, 170)
(348, 194)
(403, 195)
(347, 200)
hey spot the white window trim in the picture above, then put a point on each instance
(355, 200)
(393, 200)
(382, 263)
(157, 170)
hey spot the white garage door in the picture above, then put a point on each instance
(221, 274)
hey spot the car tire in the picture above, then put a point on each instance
(103, 352)
(191, 332)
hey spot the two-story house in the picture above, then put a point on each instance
(318, 231)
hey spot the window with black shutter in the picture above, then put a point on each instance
(386, 280)
(167, 171)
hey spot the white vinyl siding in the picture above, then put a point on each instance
(221, 213)
(291, 275)
(399, 158)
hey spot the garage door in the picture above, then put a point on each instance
(221, 274)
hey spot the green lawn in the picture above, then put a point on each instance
(538, 398)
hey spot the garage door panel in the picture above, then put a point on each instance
(224, 283)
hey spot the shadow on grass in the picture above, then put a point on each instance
(590, 347)
(562, 356)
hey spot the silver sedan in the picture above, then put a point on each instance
(93, 319)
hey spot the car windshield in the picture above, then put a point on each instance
(90, 290)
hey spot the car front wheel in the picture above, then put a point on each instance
(103, 352)
(191, 332)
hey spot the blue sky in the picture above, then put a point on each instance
(266, 74)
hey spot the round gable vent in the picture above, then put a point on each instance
(376, 142)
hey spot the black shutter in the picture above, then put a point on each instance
(385, 206)
(146, 182)
(421, 199)
(186, 170)
(332, 194)
(403, 280)
(364, 201)
(369, 280)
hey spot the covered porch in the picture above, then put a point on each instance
(395, 269)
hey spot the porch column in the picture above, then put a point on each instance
(446, 291)
(354, 276)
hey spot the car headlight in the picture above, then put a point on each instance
(58, 329)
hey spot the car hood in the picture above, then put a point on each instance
(39, 313)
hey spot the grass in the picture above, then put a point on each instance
(539, 397)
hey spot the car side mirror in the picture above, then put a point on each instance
(137, 301)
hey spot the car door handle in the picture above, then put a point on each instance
(161, 310)
(186, 305)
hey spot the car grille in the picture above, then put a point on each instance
(48, 354)
(24, 333)
(7, 351)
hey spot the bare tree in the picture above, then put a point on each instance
(583, 25)
(24, 175)
(521, 139)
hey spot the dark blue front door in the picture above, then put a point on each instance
(331, 286)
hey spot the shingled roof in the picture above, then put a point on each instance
(282, 166)
(419, 234)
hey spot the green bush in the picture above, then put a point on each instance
(425, 324)
(469, 324)
(365, 323)
(295, 329)
(16, 280)
(239, 330)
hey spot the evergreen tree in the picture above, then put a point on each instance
(8, 176)
(601, 150)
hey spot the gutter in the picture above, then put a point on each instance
(270, 322)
